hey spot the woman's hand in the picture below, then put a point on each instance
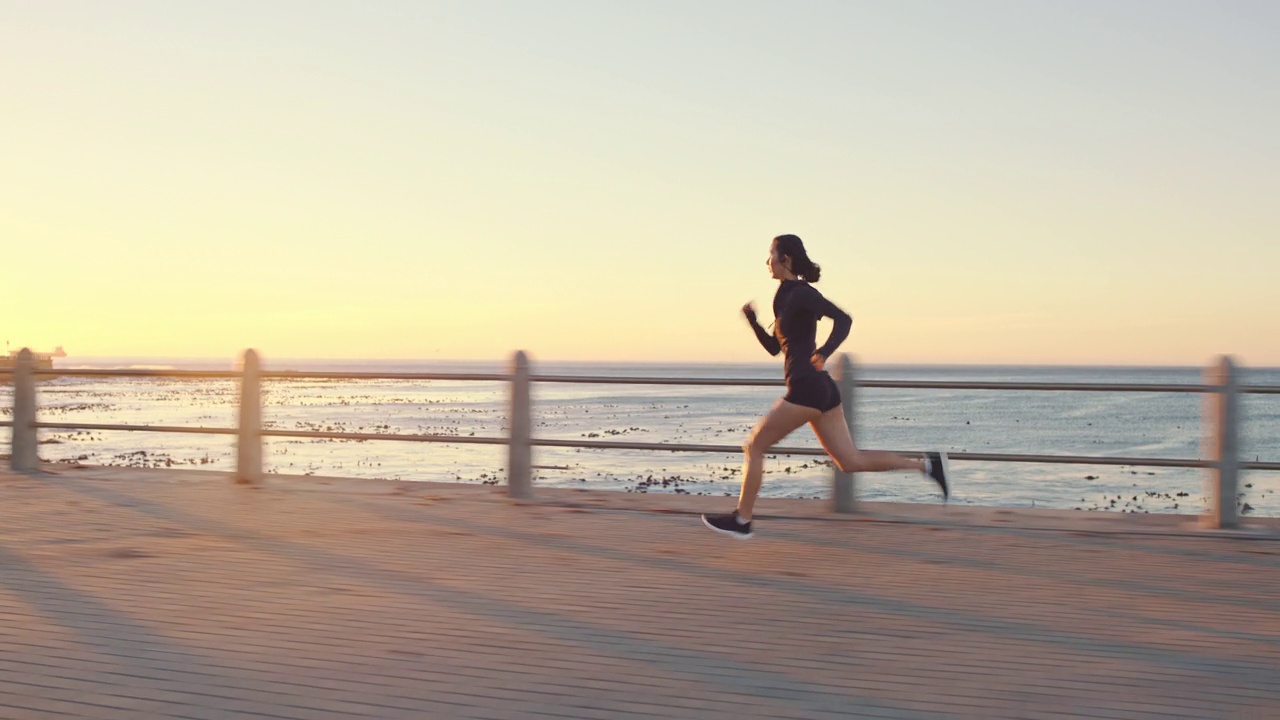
(749, 310)
(818, 361)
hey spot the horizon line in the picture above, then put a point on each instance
(939, 364)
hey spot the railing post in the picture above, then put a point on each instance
(844, 499)
(249, 439)
(1222, 443)
(519, 447)
(24, 454)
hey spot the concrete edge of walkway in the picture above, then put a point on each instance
(952, 515)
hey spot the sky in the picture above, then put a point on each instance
(982, 182)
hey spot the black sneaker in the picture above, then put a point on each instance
(938, 472)
(728, 524)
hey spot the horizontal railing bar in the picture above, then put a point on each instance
(140, 372)
(995, 385)
(669, 447)
(137, 428)
(276, 375)
(989, 457)
(452, 439)
(299, 375)
(622, 380)
(910, 384)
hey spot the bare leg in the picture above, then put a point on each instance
(833, 433)
(772, 428)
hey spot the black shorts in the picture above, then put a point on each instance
(816, 390)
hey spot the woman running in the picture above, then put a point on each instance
(812, 396)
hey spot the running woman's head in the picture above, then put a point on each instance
(787, 260)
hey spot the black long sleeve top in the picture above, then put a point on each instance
(797, 306)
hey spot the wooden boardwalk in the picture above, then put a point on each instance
(155, 594)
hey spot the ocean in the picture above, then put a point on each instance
(1158, 425)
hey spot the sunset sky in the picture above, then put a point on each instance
(989, 182)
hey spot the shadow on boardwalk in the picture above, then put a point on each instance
(128, 594)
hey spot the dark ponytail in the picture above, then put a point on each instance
(801, 265)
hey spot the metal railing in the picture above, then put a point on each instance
(1220, 388)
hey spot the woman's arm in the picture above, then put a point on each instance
(814, 302)
(770, 343)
